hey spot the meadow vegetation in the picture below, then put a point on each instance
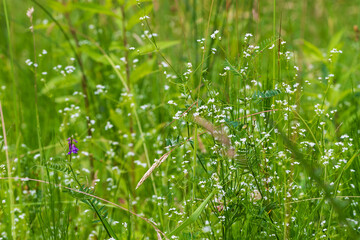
(184, 119)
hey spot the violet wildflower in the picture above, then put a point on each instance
(72, 147)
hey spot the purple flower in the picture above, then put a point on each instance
(72, 147)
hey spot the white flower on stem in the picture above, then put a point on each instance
(29, 12)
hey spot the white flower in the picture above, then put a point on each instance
(206, 229)
(255, 195)
(30, 12)
(213, 36)
(108, 126)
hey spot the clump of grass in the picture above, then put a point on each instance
(244, 129)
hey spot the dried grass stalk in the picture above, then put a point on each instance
(201, 144)
(152, 168)
(219, 135)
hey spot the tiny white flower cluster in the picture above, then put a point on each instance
(84, 42)
(73, 112)
(169, 76)
(78, 93)
(108, 126)
(137, 162)
(201, 41)
(200, 110)
(171, 102)
(28, 62)
(318, 110)
(63, 71)
(227, 68)
(188, 71)
(44, 52)
(310, 144)
(327, 156)
(333, 51)
(69, 69)
(100, 89)
(256, 83)
(213, 36)
(178, 115)
(251, 49)
(30, 12)
(247, 36)
(147, 34)
(288, 88)
(164, 64)
(145, 106)
(144, 18)
(329, 77)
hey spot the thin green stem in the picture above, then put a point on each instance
(38, 130)
(8, 166)
(204, 50)
(106, 225)
(15, 95)
(194, 170)
(144, 146)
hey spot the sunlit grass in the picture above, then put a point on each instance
(179, 120)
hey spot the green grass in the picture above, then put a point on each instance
(194, 119)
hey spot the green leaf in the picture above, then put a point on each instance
(266, 43)
(335, 41)
(60, 82)
(351, 160)
(59, 7)
(142, 70)
(131, 3)
(117, 119)
(95, 8)
(194, 216)
(233, 69)
(149, 48)
(135, 18)
(312, 52)
(259, 96)
(235, 124)
(63, 99)
(104, 222)
(117, 46)
(94, 54)
(337, 96)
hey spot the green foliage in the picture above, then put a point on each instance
(248, 109)
(259, 96)
(193, 216)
